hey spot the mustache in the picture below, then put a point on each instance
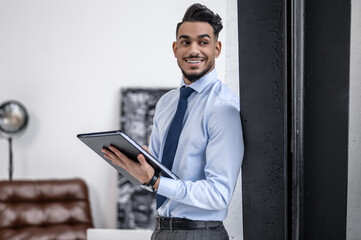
(195, 56)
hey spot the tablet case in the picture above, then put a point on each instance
(97, 140)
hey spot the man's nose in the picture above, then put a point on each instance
(194, 49)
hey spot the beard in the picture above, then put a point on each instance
(192, 77)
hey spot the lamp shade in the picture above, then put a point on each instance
(13, 119)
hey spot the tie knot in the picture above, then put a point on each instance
(185, 92)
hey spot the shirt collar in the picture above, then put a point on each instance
(203, 82)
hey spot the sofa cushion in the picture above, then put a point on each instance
(44, 209)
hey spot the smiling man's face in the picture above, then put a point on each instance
(196, 49)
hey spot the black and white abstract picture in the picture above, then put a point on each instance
(136, 207)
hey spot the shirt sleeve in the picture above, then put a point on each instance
(154, 143)
(224, 154)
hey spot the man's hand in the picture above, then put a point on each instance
(141, 171)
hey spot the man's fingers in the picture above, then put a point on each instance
(115, 161)
(108, 154)
(141, 169)
(117, 152)
(141, 159)
(119, 163)
(114, 158)
(145, 148)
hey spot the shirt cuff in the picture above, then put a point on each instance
(167, 187)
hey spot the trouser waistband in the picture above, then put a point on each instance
(185, 224)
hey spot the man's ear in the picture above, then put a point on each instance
(174, 46)
(218, 49)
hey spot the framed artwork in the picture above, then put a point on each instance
(136, 207)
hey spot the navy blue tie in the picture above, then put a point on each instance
(175, 128)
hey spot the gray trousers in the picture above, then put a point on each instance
(219, 233)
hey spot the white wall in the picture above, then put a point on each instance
(66, 61)
(234, 221)
(354, 164)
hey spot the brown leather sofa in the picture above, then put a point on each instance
(44, 210)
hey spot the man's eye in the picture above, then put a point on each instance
(203, 42)
(184, 42)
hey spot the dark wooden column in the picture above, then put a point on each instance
(294, 91)
(263, 95)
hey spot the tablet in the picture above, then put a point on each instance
(97, 140)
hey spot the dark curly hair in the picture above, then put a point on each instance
(200, 13)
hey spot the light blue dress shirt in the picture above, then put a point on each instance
(209, 153)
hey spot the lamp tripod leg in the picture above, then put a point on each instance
(10, 159)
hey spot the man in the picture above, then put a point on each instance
(207, 152)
